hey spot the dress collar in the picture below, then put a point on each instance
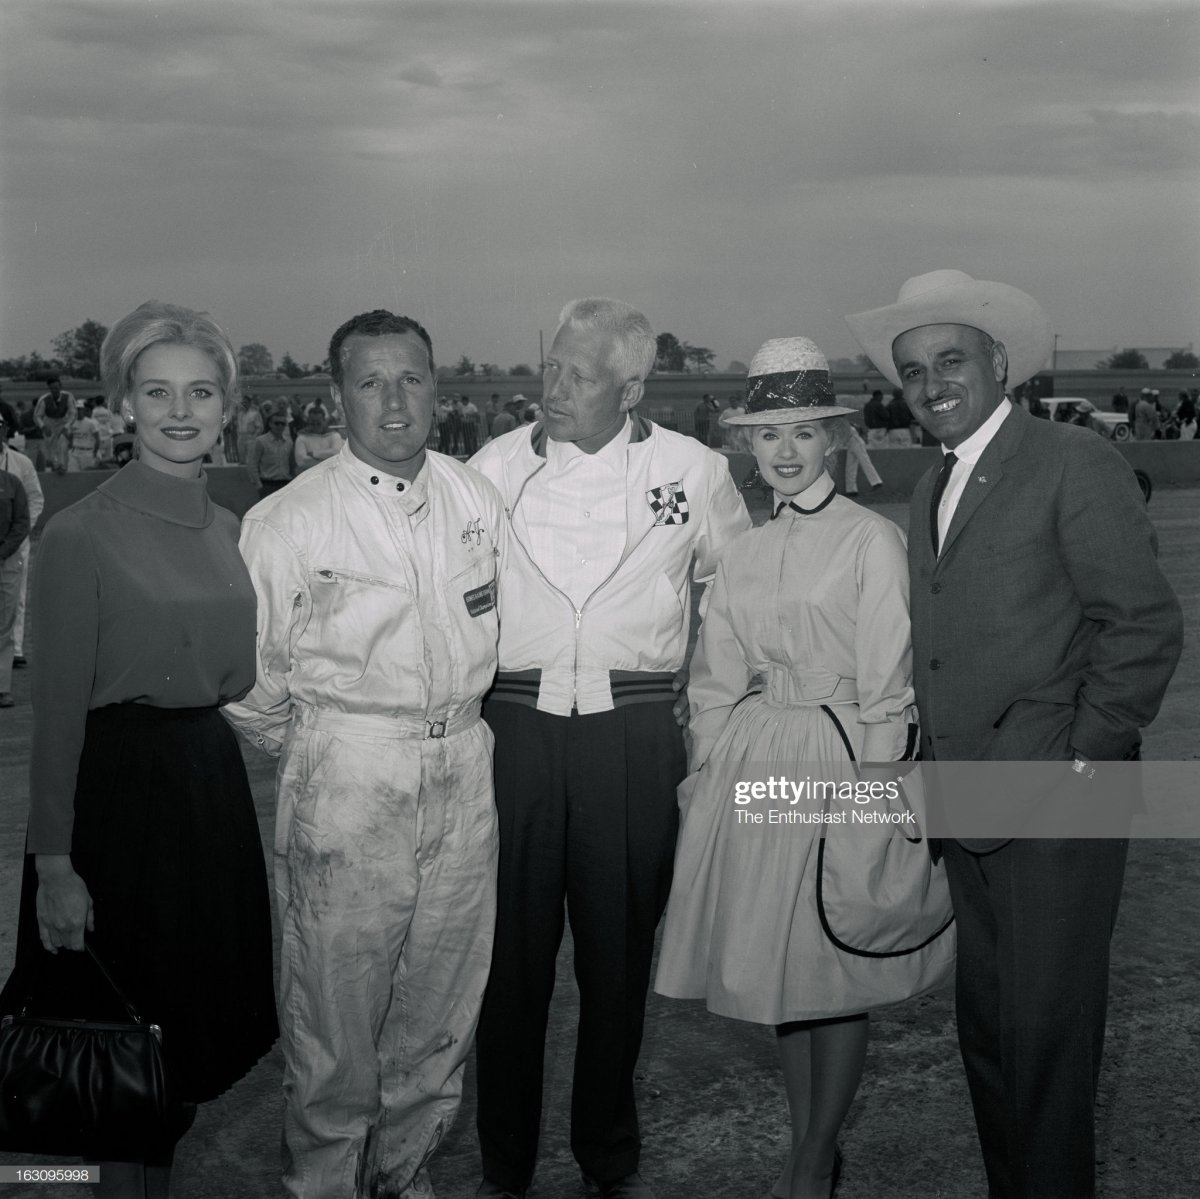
(156, 493)
(817, 495)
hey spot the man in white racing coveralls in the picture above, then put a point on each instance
(377, 628)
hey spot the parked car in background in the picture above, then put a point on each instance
(1077, 410)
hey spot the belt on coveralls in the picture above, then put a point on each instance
(399, 728)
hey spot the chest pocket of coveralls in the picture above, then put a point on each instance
(361, 617)
(471, 594)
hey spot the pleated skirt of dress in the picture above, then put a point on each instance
(742, 928)
(167, 841)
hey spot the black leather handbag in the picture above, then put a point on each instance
(83, 1088)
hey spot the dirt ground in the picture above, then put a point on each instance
(713, 1112)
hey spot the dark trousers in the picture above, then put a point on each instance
(268, 487)
(1035, 919)
(587, 815)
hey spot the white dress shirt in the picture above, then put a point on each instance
(968, 454)
(574, 513)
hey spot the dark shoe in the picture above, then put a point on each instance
(19, 662)
(492, 1190)
(632, 1186)
(876, 486)
(851, 494)
(6, 700)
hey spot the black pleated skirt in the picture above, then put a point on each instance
(167, 841)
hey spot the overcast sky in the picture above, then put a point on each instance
(739, 170)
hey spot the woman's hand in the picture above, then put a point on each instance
(680, 708)
(64, 907)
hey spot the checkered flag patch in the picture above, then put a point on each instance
(669, 504)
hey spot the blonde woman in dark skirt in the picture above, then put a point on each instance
(142, 831)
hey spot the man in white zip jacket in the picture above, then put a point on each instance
(376, 580)
(608, 514)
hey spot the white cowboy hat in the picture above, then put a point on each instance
(953, 298)
(788, 381)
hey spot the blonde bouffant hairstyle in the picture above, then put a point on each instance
(741, 437)
(155, 323)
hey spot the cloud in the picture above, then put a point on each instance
(420, 74)
(734, 167)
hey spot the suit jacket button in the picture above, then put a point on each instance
(935, 588)
(934, 663)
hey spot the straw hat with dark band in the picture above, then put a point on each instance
(788, 382)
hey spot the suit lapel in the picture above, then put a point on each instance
(919, 548)
(986, 474)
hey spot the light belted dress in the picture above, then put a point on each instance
(814, 606)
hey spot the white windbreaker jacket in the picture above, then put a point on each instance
(681, 506)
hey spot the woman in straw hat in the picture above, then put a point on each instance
(802, 668)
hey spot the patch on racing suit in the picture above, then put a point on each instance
(481, 599)
(669, 504)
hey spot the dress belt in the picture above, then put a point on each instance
(399, 728)
(797, 689)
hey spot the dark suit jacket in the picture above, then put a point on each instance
(1046, 624)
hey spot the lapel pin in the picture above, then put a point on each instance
(983, 478)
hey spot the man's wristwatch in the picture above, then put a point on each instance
(1083, 767)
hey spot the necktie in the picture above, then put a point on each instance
(939, 489)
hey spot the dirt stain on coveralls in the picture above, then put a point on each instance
(318, 868)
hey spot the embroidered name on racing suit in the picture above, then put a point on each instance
(481, 599)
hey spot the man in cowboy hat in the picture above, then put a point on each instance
(1043, 630)
(609, 516)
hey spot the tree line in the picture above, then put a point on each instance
(1135, 360)
(77, 355)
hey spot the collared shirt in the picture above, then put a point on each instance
(573, 515)
(376, 596)
(271, 456)
(968, 454)
(17, 464)
(41, 408)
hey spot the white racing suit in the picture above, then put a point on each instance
(377, 632)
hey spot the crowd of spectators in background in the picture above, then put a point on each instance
(278, 438)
